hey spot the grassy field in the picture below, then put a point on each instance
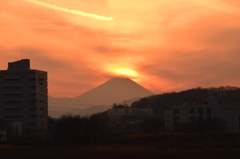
(169, 146)
(117, 152)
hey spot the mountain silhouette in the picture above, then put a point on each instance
(115, 90)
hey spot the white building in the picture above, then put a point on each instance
(232, 117)
(187, 113)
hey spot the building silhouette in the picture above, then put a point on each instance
(24, 98)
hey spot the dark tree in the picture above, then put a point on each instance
(152, 125)
(71, 129)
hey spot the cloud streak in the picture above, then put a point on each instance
(90, 15)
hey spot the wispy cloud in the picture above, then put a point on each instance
(90, 15)
(218, 5)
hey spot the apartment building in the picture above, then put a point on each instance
(24, 97)
(186, 113)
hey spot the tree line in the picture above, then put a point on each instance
(86, 129)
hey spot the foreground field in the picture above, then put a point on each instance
(139, 146)
(117, 152)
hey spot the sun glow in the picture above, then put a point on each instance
(123, 72)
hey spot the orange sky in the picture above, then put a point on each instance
(164, 45)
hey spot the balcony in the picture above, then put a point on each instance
(12, 95)
(13, 102)
(12, 87)
(12, 116)
(12, 80)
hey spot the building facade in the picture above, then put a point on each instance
(187, 113)
(24, 97)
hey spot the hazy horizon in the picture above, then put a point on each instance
(116, 90)
(162, 45)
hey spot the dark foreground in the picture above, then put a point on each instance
(119, 152)
(217, 145)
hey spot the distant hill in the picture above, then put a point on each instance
(115, 90)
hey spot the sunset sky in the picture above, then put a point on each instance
(164, 45)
